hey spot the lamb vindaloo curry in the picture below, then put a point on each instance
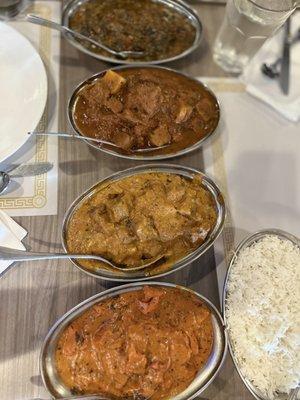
(152, 28)
(139, 344)
(141, 217)
(142, 108)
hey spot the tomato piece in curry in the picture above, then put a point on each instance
(139, 344)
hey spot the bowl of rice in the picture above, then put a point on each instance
(261, 305)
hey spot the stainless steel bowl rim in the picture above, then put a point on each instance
(86, 304)
(141, 157)
(243, 244)
(180, 6)
(164, 168)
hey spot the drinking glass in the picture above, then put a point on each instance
(246, 26)
(10, 8)
(8, 3)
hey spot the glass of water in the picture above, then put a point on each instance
(10, 8)
(246, 26)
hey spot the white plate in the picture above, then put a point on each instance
(23, 90)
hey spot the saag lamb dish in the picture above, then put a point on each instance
(156, 30)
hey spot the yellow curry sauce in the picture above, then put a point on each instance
(140, 344)
(141, 217)
(152, 28)
(144, 108)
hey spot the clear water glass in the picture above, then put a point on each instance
(8, 3)
(246, 26)
(10, 8)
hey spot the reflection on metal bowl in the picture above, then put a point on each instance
(188, 173)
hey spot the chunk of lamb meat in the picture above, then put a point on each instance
(205, 109)
(101, 89)
(100, 93)
(119, 210)
(114, 105)
(123, 140)
(144, 228)
(160, 136)
(114, 129)
(184, 113)
(142, 102)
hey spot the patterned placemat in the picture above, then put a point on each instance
(38, 195)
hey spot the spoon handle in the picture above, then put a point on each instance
(53, 25)
(9, 254)
(72, 136)
(99, 141)
(20, 255)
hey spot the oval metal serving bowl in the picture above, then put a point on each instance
(182, 171)
(180, 6)
(244, 244)
(203, 379)
(156, 154)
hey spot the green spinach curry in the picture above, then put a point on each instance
(150, 27)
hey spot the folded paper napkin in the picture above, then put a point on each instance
(11, 235)
(268, 89)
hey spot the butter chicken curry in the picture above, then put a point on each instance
(143, 108)
(140, 344)
(141, 217)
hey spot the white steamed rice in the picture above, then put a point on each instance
(263, 314)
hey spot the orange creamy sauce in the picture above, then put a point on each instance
(140, 218)
(143, 343)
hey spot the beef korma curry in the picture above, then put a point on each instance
(141, 217)
(140, 344)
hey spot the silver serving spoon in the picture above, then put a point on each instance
(19, 255)
(95, 140)
(21, 171)
(34, 19)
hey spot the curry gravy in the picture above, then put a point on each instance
(135, 219)
(144, 343)
(145, 108)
